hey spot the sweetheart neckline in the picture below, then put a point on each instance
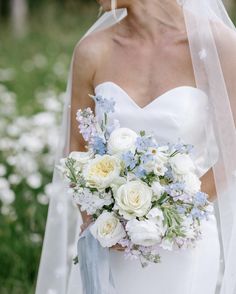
(154, 100)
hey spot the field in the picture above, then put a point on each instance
(33, 75)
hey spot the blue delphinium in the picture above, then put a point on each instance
(140, 172)
(129, 159)
(182, 148)
(181, 209)
(200, 198)
(143, 143)
(175, 189)
(169, 174)
(98, 145)
(197, 213)
(106, 105)
(146, 157)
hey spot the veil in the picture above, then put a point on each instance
(212, 43)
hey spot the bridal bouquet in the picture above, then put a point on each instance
(142, 195)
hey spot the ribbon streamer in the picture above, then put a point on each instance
(94, 265)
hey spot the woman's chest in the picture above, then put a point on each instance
(146, 73)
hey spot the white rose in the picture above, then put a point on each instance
(107, 229)
(192, 183)
(182, 164)
(145, 233)
(81, 157)
(158, 189)
(133, 199)
(121, 140)
(101, 171)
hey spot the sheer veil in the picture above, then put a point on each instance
(212, 42)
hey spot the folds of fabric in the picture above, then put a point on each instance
(94, 266)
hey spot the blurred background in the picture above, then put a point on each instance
(37, 38)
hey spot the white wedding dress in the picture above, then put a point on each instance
(178, 113)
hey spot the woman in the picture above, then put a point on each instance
(147, 62)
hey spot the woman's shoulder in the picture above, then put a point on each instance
(94, 46)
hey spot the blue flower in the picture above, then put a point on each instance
(197, 213)
(169, 174)
(200, 198)
(140, 172)
(99, 146)
(146, 158)
(181, 209)
(143, 143)
(183, 148)
(129, 159)
(106, 105)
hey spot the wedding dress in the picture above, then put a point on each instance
(179, 113)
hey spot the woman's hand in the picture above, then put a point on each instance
(85, 224)
(117, 247)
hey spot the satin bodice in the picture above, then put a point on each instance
(180, 113)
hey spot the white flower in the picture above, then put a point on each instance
(145, 233)
(133, 199)
(182, 164)
(158, 189)
(107, 229)
(156, 215)
(160, 153)
(192, 183)
(91, 201)
(101, 171)
(187, 225)
(3, 170)
(81, 157)
(34, 180)
(157, 164)
(167, 244)
(122, 140)
(160, 169)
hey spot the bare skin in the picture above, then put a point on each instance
(146, 54)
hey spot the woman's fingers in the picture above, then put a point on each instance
(84, 226)
(118, 247)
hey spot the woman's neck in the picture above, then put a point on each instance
(150, 17)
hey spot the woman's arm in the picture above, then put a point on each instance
(83, 70)
(208, 185)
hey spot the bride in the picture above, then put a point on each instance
(168, 65)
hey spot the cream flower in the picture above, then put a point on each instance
(101, 171)
(133, 199)
(107, 229)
